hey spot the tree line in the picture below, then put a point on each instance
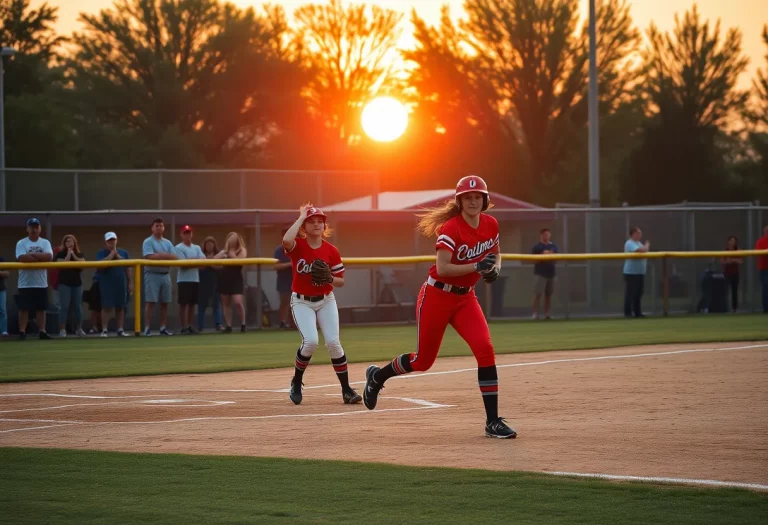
(501, 93)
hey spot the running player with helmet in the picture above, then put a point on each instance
(467, 249)
(317, 270)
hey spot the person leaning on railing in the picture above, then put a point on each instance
(70, 287)
(114, 285)
(33, 284)
(207, 293)
(634, 273)
(762, 266)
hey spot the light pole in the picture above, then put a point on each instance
(594, 287)
(4, 52)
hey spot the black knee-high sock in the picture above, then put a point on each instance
(488, 379)
(340, 367)
(302, 362)
(399, 366)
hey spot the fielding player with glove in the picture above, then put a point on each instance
(467, 249)
(317, 270)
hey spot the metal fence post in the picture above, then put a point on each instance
(565, 268)
(257, 240)
(137, 299)
(665, 286)
(76, 181)
(242, 190)
(159, 190)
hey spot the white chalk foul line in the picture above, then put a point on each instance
(649, 479)
(181, 403)
(553, 361)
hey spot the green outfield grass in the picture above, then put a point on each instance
(57, 486)
(95, 357)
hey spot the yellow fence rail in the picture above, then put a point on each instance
(137, 265)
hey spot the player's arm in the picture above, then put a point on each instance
(338, 282)
(289, 239)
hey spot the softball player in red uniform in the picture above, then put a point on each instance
(467, 248)
(317, 270)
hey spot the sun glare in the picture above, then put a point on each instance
(385, 119)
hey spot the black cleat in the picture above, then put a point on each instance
(372, 388)
(351, 397)
(295, 394)
(499, 429)
(44, 335)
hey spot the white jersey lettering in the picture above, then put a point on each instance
(303, 266)
(466, 253)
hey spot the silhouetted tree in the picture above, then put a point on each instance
(349, 52)
(185, 82)
(690, 90)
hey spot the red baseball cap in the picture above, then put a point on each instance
(186, 228)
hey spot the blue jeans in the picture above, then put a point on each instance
(764, 285)
(214, 299)
(70, 297)
(3, 314)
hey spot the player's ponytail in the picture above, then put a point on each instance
(433, 219)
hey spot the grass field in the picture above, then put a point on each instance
(57, 486)
(95, 357)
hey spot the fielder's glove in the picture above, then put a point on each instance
(492, 275)
(488, 262)
(321, 273)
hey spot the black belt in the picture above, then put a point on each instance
(452, 289)
(310, 298)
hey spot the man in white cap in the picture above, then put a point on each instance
(33, 284)
(115, 285)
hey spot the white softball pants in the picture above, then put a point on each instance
(307, 316)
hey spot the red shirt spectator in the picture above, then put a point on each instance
(53, 273)
(762, 244)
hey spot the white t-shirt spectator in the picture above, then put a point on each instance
(188, 275)
(33, 278)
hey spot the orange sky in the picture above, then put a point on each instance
(748, 15)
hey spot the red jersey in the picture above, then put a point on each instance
(467, 245)
(762, 260)
(302, 256)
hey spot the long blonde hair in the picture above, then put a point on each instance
(240, 243)
(433, 219)
(74, 240)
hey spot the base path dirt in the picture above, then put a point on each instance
(681, 411)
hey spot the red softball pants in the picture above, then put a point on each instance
(435, 310)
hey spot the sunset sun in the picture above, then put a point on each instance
(384, 119)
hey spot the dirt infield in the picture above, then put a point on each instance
(682, 411)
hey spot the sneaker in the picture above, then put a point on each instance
(62, 333)
(295, 394)
(242, 329)
(5, 335)
(191, 331)
(499, 429)
(228, 330)
(164, 331)
(80, 333)
(535, 316)
(219, 328)
(147, 332)
(92, 331)
(121, 333)
(372, 388)
(23, 336)
(104, 334)
(351, 397)
(44, 335)
(183, 331)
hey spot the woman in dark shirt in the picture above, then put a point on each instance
(70, 286)
(731, 270)
(207, 293)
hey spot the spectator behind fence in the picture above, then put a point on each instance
(207, 293)
(634, 273)
(3, 307)
(732, 271)
(157, 279)
(33, 284)
(114, 285)
(188, 279)
(70, 286)
(762, 266)
(230, 283)
(544, 274)
(284, 280)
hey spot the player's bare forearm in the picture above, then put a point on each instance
(338, 282)
(26, 258)
(42, 257)
(161, 257)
